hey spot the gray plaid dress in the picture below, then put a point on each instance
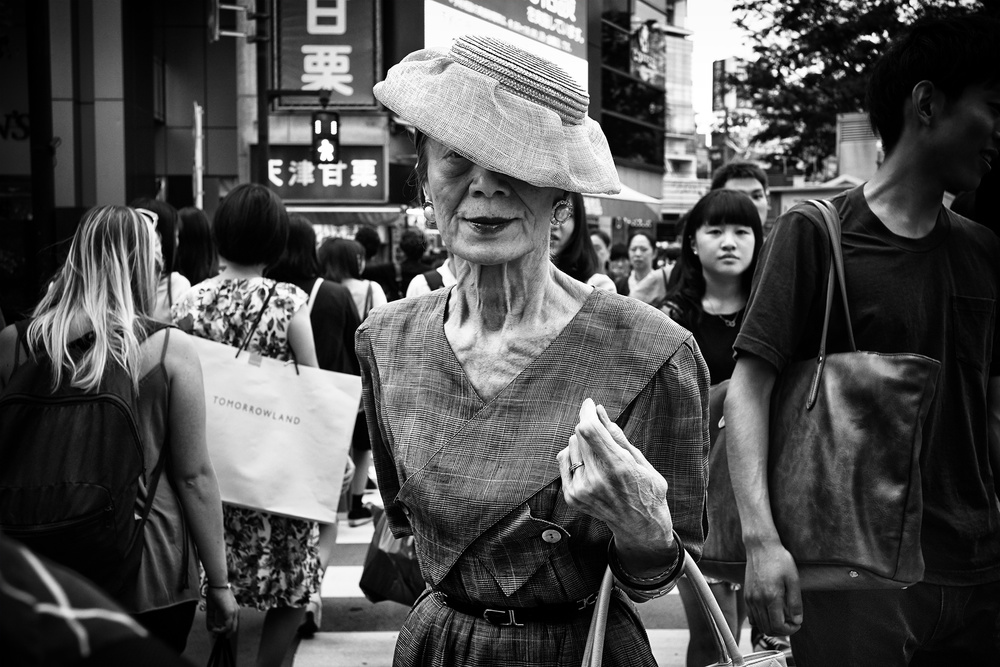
(477, 483)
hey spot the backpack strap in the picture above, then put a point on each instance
(434, 279)
(21, 328)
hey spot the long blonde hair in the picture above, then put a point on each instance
(107, 286)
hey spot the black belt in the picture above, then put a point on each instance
(518, 616)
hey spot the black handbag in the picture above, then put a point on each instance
(222, 653)
(843, 467)
(391, 570)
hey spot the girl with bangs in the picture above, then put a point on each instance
(96, 316)
(710, 286)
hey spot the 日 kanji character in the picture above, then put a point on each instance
(333, 174)
(327, 68)
(363, 174)
(326, 17)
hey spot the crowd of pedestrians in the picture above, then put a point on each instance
(536, 402)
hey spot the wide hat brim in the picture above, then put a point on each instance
(489, 123)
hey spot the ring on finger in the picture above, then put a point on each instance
(574, 467)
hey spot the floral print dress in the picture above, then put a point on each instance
(273, 561)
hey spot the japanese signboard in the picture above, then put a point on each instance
(327, 47)
(360, 175)
(552, 29)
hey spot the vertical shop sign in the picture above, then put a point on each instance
(329, 48)
(648, 54)
(718, 85)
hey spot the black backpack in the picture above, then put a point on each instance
(71, 462)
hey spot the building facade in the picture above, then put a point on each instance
(110, 100)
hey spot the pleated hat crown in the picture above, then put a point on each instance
(505, 109)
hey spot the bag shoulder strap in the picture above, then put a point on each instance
(663, 274)
(831, 220)
(315, 291)
(368, 301)
(22, 341)
(256, 322)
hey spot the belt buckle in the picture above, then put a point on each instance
(587, 601)
(502, 618)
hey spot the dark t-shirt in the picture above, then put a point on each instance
(335, 320)
(410, 269)
(934, 296)
(713, 333)
(387, 276)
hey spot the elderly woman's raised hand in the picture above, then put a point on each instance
(615, 482)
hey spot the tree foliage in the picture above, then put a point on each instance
(811, 62)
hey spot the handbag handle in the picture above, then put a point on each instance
(593, 652)
(831, 219)
(729, 650)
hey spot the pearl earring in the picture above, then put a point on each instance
(561, 212)
(429, 215)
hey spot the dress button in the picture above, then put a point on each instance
(551, 536)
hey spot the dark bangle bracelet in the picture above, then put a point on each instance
(226, 587)
(647, 583)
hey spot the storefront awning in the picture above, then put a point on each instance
(325, 214)
(628, 203)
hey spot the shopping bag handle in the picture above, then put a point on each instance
(729, 650)
(256, 323)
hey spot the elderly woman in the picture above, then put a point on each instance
(528, 429)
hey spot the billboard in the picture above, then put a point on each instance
(553, 29)
(648, 54)
(328, 46)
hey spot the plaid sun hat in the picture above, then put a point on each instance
(506, 110)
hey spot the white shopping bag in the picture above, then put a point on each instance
(278, 434)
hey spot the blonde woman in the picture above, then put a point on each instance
(94, 320)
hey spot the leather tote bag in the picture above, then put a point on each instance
(278, 433)
(844, 462)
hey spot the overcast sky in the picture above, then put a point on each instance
(715, 37)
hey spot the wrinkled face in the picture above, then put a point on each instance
(967, 136)
(640, 254)
(752, 188)
(724, 249)
(603, 252)
(483, 216)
